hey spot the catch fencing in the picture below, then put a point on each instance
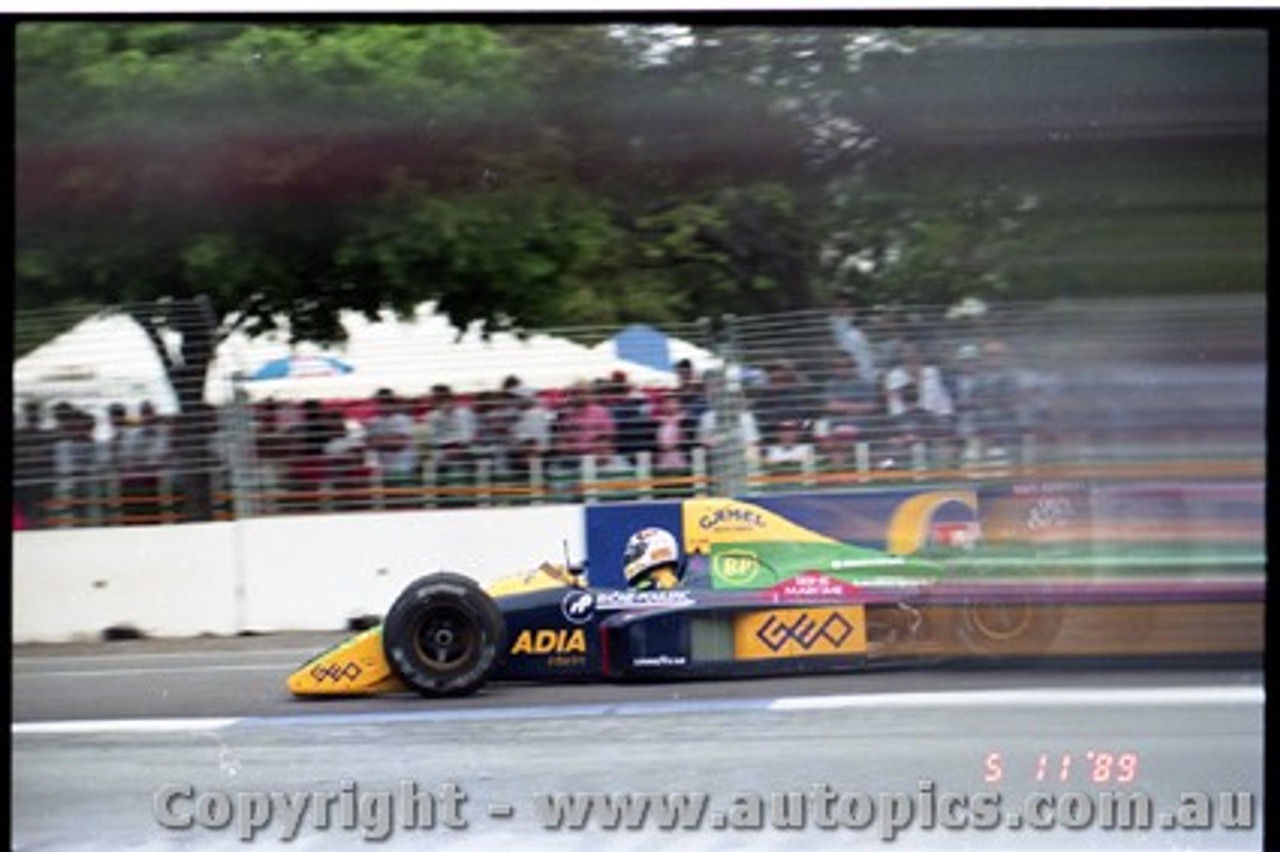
(115, 424)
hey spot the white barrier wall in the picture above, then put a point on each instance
(308, 574)
(169, 581)
(266, 574)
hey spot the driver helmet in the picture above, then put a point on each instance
(652, 560)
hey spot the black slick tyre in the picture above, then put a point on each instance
(444, 635)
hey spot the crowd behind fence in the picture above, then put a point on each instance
(852, 396)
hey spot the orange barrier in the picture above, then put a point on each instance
(166, 507)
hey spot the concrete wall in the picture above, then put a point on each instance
(268, 574)
(170, 581)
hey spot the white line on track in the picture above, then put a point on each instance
(98, 659)
(1186, 696)
(123, 726)
(1163, 697)
(136, 672)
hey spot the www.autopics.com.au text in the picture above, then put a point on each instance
(411, 806)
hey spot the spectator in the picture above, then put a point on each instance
(988, 421)
(194, 457)
(451, 425)
(930, 398)
(512, 387)
(788, 451)
(964, 379)
(608, 461)
(669, 435)
(909, 426)
(692, 396)
(496, 423)
(786, 395)
(390, 436)
(632, 417)
(912, 370)
(582, 424)
(308, 465)
(495, 416)
(75, 459)
(271, 443)
(32, 466)
(849, 337)
(344, 454)
(450, 429)
(999, 418)
(886, 328)
(531, 434)
(111, 447)
(851, 414)
(714, 439)
(142, 455)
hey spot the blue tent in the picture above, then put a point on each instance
(644, 345)
(301, 366)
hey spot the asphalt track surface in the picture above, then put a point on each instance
(103, 732)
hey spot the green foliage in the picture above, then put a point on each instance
(742, 247)
(514, 249)
(554, 174)
(196, 80)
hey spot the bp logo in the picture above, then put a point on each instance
(736, 567)
(578, 606)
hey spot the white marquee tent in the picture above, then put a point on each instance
(108, 359)
(409, 357)
(103, 359)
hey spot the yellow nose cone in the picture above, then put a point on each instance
(357, 666)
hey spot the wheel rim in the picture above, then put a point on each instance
(445, 638)
(1000, 622)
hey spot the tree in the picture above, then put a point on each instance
(291, 171)
(249, 165)
(670, 172)
(703, 177)
(1034, 164)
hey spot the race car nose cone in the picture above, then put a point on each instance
(356, 666)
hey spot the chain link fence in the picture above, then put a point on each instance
(147, 414)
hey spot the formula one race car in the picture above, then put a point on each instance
(763, 596)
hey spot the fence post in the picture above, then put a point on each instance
(644, 473)
(725, 396)
(698, 470)
(537, 480)
(809, 467)
(430, 482)
(114, 498)
(247, 473)
(862, 456)
(484, 481)
(753, 474)
(919, 458)
(587, 478)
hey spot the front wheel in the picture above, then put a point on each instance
(997, 623)
(444, 635)
(1009, 627)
